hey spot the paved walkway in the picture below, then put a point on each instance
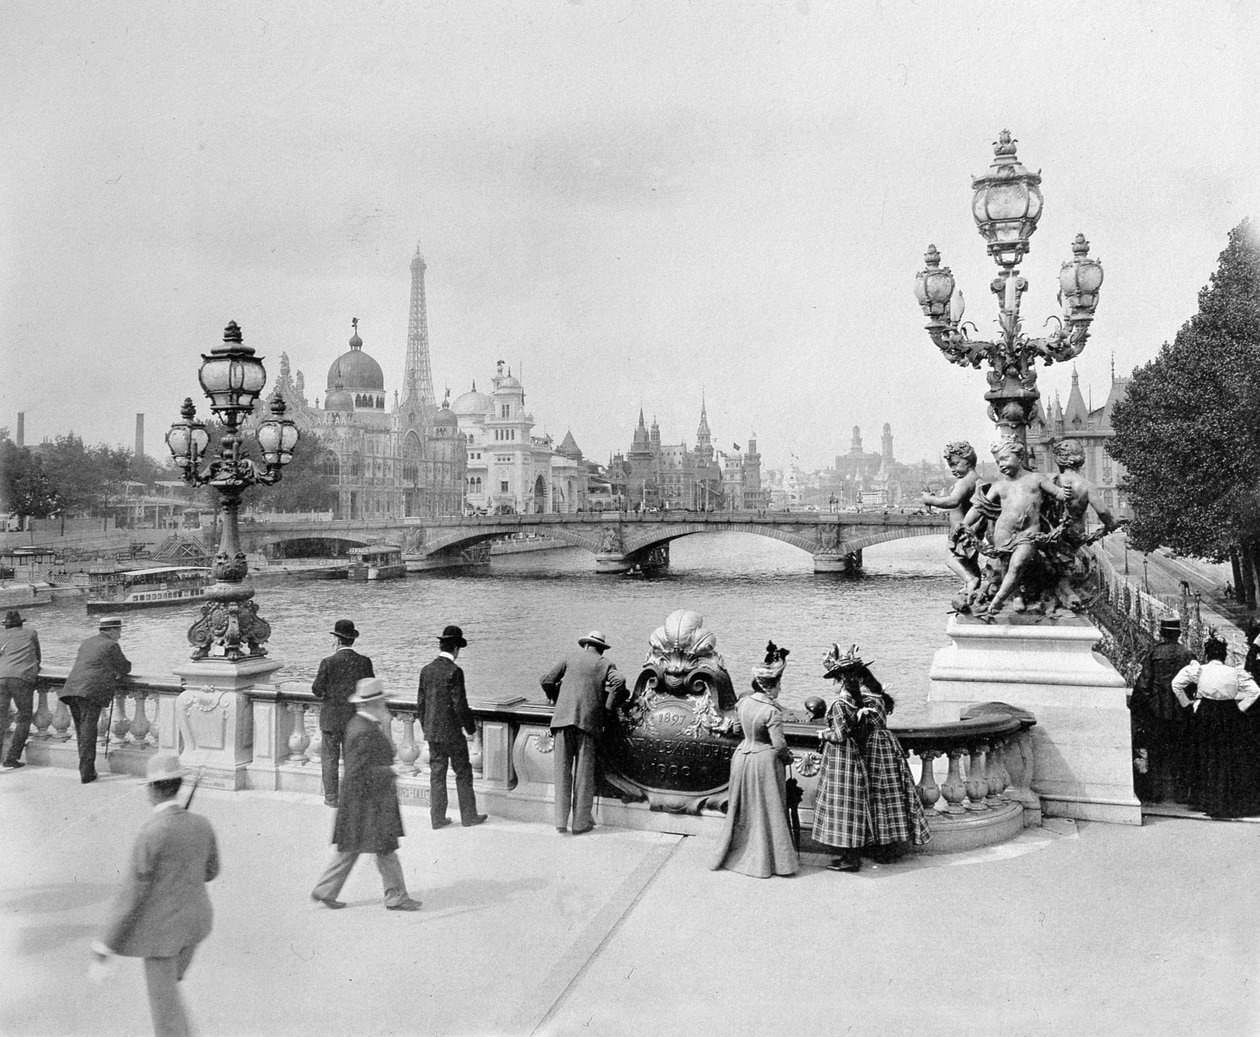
(1096, 929)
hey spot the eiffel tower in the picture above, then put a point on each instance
(417, 378)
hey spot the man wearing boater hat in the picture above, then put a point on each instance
(90, 687)
(1160, 718)
(368, 818)
(581, 686)
(335, 682)
(442, 706)
(163, 911)
(19, 666)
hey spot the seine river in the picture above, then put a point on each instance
(527, 609)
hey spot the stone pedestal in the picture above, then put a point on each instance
(214, 720)
(842, 562)
(1082, 745)
(610, 562)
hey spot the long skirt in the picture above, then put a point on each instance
(756, 840)
(1223, 764)
(842, 815)
(896, 811)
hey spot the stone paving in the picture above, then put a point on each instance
(1089, 929)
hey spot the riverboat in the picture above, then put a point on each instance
(378, 562)
(118, 590)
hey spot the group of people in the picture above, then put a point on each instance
(1196, 727)
(866, 801)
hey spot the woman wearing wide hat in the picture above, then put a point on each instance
(756, 840)
(842, 815)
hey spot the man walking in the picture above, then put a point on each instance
(368, 818)
(442, 708)
(335, 682)
(90, 687)
(19, 666)
(581, 687)
(163, 910)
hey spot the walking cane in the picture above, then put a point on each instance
(193, 791)
(109, 723)
(792, 798)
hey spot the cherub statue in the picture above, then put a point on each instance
(1069, 538)
(963, 549)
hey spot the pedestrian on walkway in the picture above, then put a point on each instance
(442, 709)
(163, 911)
(581, 686)
(335, 682)
(756, 839)
(91, 686)
(1224, 770)
(19, 666)
(842, 813)
(368, 818)
(1161, 720)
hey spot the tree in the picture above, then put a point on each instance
(305, 485)
(1188, 430)
(24, 486)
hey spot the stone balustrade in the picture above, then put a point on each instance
(974, 775)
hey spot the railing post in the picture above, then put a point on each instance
(139, 722)
(929, 791)
(43, 716)
(298, 738)
(953, 789)
(408, 750)
(61, 721)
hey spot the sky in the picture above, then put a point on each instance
(633, 204)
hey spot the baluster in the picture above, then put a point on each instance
(315, 735)
(425, 757)
(298, 738)
(995, 769)
(953, 789)
(929, 791)
(61, 721)
(43, 716)
(476, 754)
(139, 722)
(977, 784)
(118, 733)
(408, 750)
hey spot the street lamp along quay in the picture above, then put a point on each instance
(1007, 205)
(229, 626)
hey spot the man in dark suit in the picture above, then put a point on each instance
(581, 686)
(19, 666)
(335, 682)
(442, 708)
(90, 687)
(368, 819)
(163, 911)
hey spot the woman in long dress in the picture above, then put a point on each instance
(842, 816)
(897, 817)
(1223, 751)
(756, 840)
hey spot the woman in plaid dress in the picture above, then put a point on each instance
(897, 817)
(842, 815)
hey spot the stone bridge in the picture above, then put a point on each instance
(619, 541)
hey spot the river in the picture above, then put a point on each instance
(526, 610)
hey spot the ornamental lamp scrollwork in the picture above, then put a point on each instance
(232, 377)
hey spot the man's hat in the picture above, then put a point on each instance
(454, 634)
(369, 689)
(163, 767)
(345, 628)
(109, 623)
(1170, 626)
(594, 638)
(13, 618)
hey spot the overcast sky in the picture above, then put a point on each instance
(628, 202)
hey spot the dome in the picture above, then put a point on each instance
(508, 383)
(355, 370)
(471, 404)
(445, 418)
(339, 399)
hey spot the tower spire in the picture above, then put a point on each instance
(418, 378)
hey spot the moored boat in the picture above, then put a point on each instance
(376, 562)
(118, 590)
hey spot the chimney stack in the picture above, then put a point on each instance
(139, 436)
(21, 429)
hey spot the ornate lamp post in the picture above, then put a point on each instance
(229, 626)
(1006, 206)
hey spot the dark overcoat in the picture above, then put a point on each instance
(335, 682)
(96, 670)
(582, 686)
(442, 703)
(368, 818)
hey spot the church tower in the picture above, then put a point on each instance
(886, 441)
(417, 378)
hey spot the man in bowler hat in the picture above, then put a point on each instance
(335, 682)
(90, 687)
(19, 666)
(368, 818)
(442, 707)
(1161, 720)
(581, 686)
(163, 911)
